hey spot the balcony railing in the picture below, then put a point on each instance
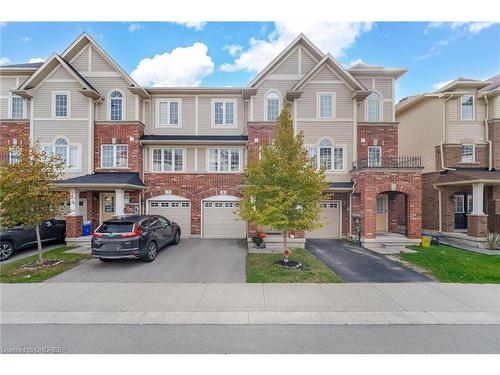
(392, 162)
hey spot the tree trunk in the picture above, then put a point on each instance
(285, 242)
(39, 243)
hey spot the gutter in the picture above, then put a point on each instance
(444, 136)
(440, 220)
(487, 135)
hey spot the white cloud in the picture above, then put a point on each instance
(25, 39)
(4, 60)
(476, 27)
(36, 60)
(357, 61)
(333, 37)
(436, 86)
(233, 49)
(465, 27)
(135, 27)
(184, 66)
(196, 25)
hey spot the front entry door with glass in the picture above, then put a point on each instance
(463, 206)
(107, 206)
(381, 221)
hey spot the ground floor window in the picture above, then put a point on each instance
(168, 160)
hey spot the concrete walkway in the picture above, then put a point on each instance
(201, 303)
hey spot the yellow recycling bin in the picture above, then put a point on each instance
(426, 241)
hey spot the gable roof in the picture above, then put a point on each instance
(300, 39)
(337, 67)
(379, 70)
(464, 82)
(23, 66)
(493, 86)
(85, 39)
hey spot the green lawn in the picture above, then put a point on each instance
(14, 273)
(261, 269)
(452, 265)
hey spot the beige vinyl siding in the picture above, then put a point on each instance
(497, 107)
(61, 73)
(420, 130)
(307, 104)
(290, 64)
(280, 86)
(458, 131)
(105, 85)
(384, 86)
(307, 61)
(43, 100)
(81, 62)
(387, 107)
(187, 116)
(205, 117)
(99, 63)
(325, 73)
(6, 84)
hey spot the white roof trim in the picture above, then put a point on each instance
(168, 197)
(223, 198)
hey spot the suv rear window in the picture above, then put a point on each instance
(115, 227)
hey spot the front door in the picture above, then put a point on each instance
(382, 213)
(107, 206)
(463, 206)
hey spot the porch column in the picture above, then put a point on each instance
(477, 199)
(73, 221)
(119, 202)
(73, 201)
(477, 221)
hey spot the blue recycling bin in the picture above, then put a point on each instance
(87, 228)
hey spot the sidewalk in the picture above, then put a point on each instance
(199, 303)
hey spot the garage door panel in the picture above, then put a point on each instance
(180, 212)
(221, 220)
(330, 217)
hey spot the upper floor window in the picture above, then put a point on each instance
(61, 104)
(374, 156)
(373, 107)
(114, 156)
(467, 107)
(273, 102)
(224, 160)
(223, 112)
(327, 155)
(16, 107)
(468, 153)
(116, 106)
(169, 112)
(69, 153)
(168, 160)
(325, 104)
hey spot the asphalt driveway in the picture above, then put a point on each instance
(192, 260)
(356, 264)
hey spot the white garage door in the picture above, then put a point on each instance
(174, 210)
(330, 217)
(221, 220)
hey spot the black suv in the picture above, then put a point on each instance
(134, 236)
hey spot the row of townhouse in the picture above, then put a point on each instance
(181, 152)
(456, 130)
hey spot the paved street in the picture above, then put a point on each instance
(267, 339)
(355, 264)
(193, 260)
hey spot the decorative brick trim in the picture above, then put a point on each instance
(13, 133)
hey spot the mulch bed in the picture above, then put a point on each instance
(290, 264)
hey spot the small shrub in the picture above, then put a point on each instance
(493, 241)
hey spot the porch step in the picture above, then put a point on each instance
(274, 244)
(78, 241)
(389, 250)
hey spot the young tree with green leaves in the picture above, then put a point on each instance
(281, 189)
(27, 196)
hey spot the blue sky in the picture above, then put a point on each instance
(230, 53)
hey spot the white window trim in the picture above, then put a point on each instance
(15, 151)
(280, 99)
(25, 108)
(368, 155)
(168, 125)
(207, 160)
(318, 105)
(235, 115)
(68, 114)
(78, 145)
(473, 153)
(380, 107)
(473, 108)
(108, 115)
(184, 153)
(333, 147)
(114, 155)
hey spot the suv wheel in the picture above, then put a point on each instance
(177, 237)
(151, 252)
(6, 250)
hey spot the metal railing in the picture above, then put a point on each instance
(391, 162)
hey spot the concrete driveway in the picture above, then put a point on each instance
(192, 260)
(356, 264)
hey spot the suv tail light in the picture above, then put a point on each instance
(135, 232)
(96, 234)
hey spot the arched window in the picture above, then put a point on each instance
(116, 106)
(327, 155)
(273, 102)
(68, 153)
(373, 107)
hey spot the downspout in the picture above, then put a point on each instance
(444, 135)
(350, 208)
(440, 225)
(487, 135)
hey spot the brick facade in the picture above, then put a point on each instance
(119, 133)
(453, 157)
(477, 226)
(13, 133)
(494, 136)
(74, 226)
(259, 133)
(384, 135)
(194, 186)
